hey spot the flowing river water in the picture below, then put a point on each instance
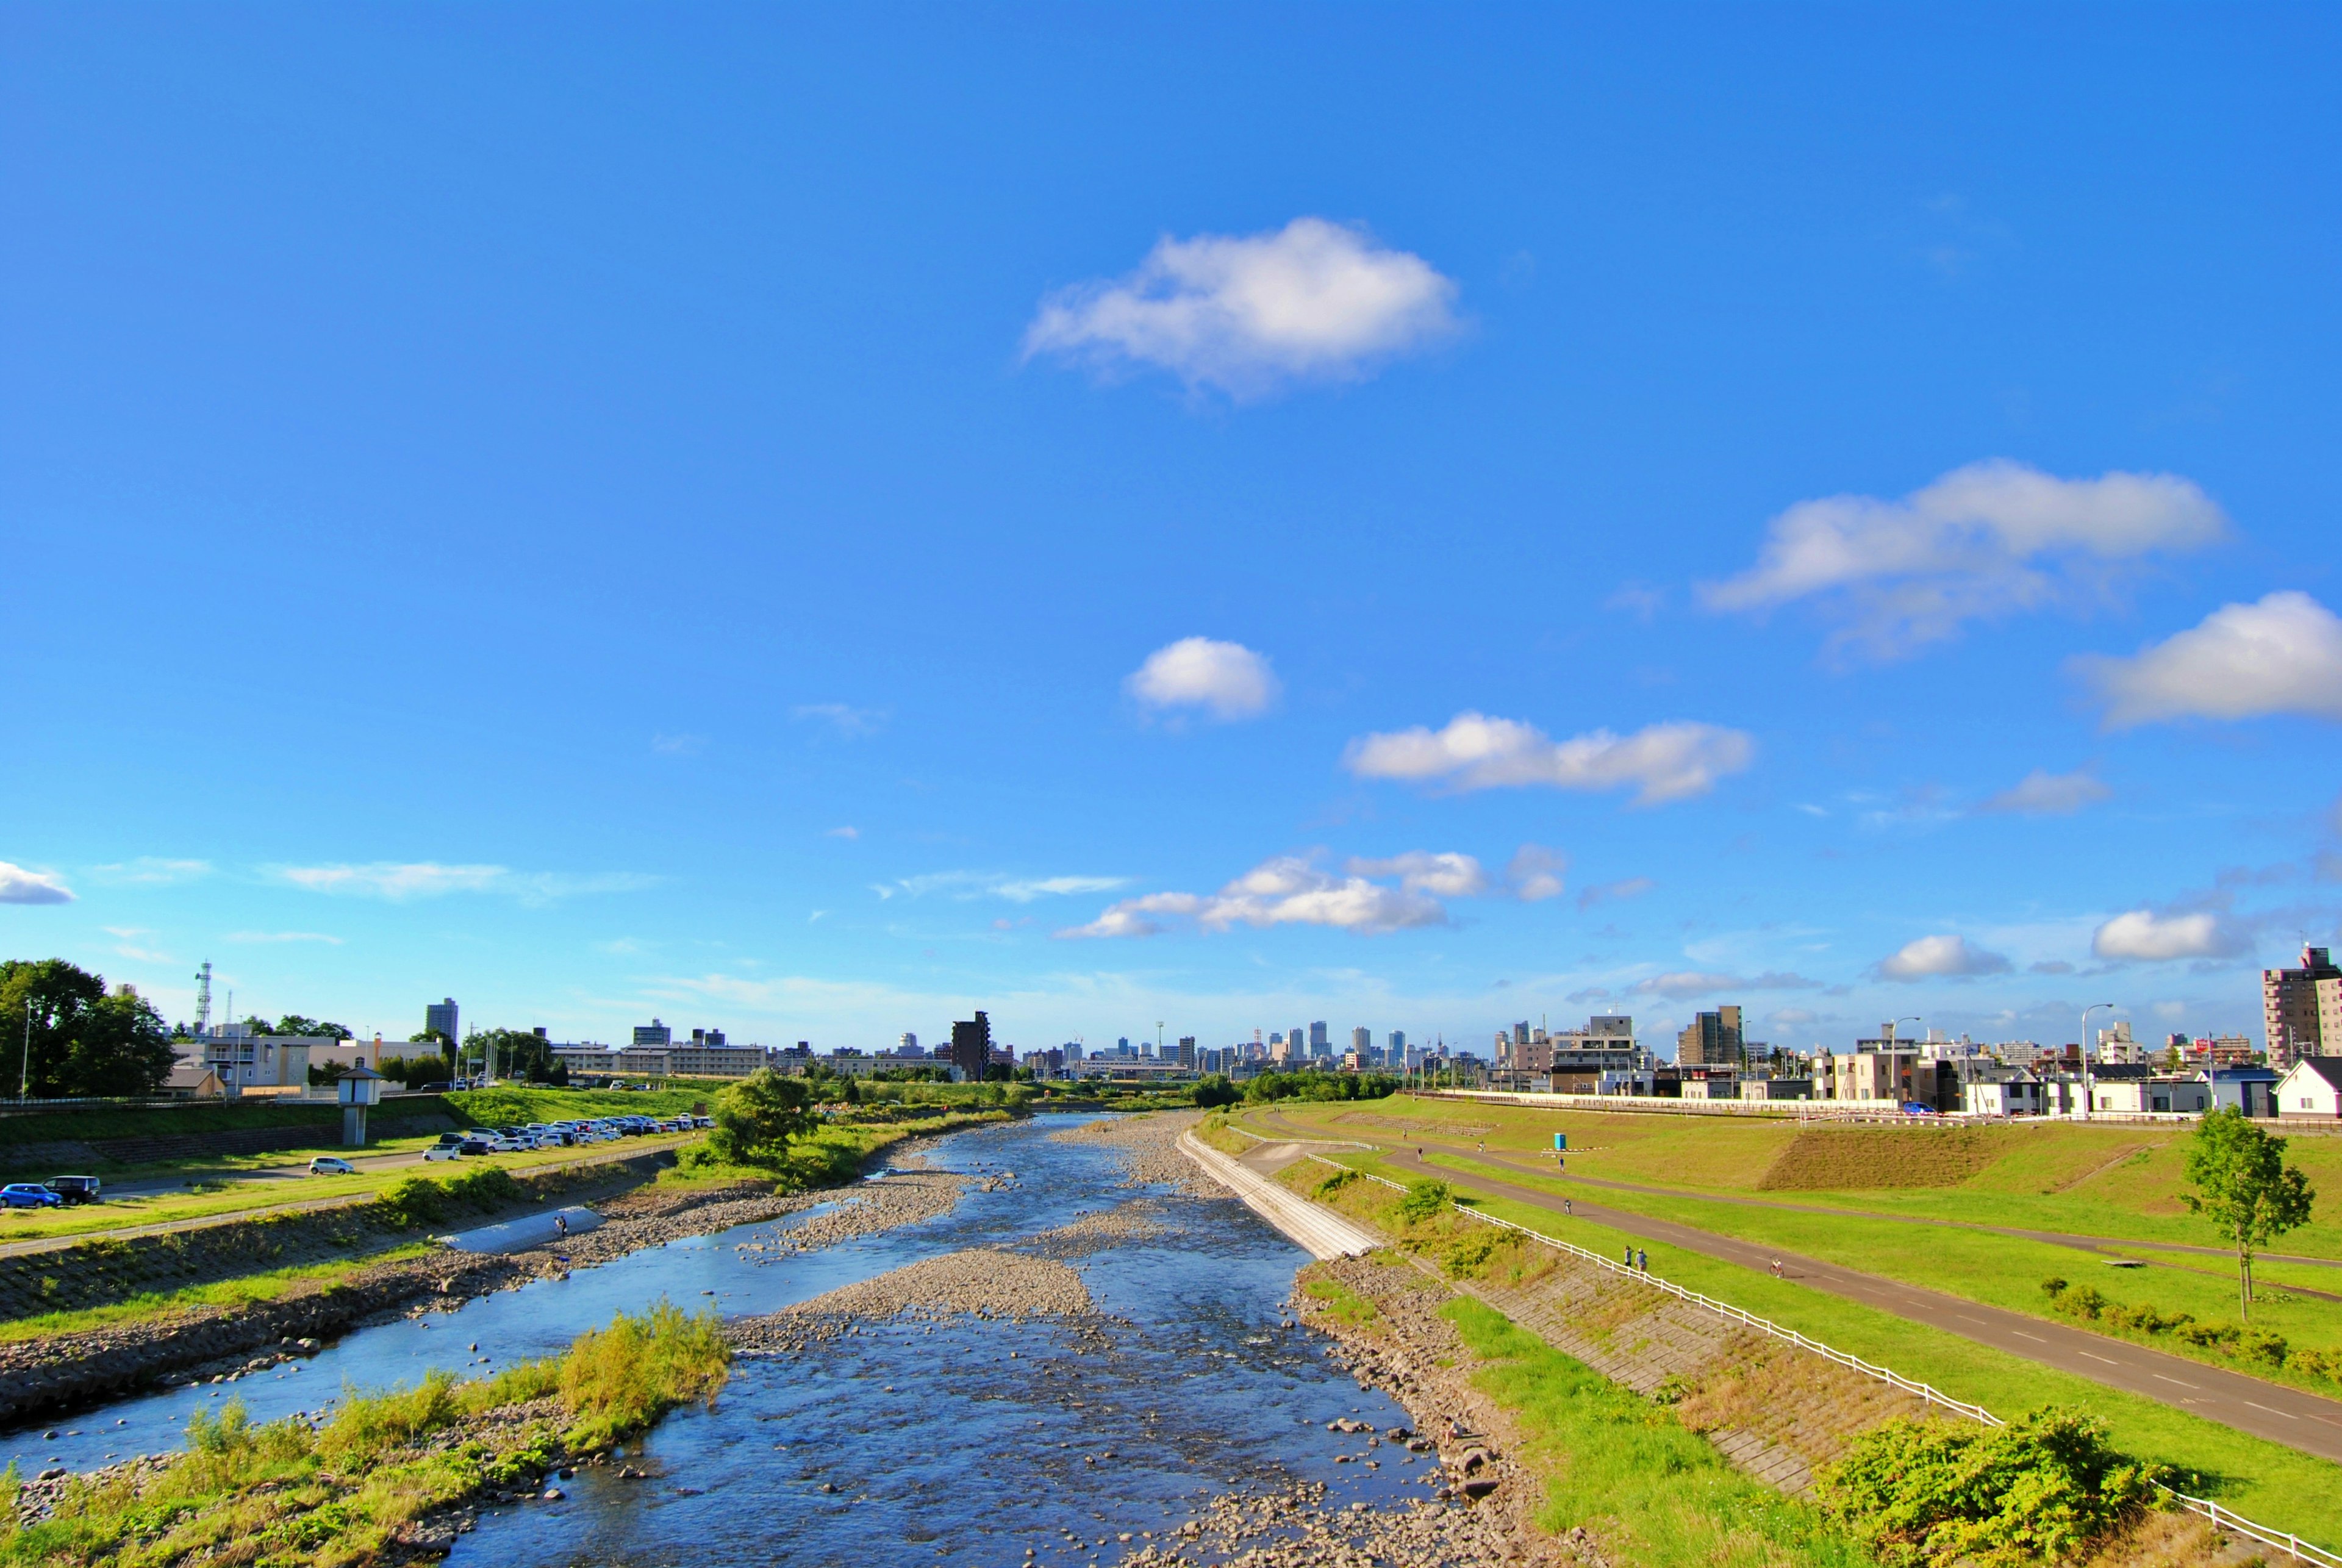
(905, 1442)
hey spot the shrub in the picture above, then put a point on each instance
(1335, 1184)
(1424, 1200)
(1934, 1493)
(1467, 1254)
(419, 1201)
(756, 1117)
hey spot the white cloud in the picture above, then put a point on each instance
(400, 881)
(18, 885)
(1226, 680)
(1535, 873)
(1982, 540)
(1941, 958)
(967, 885)
(1315, 301)
(1663, 762)
(1290, 890)
(1684, 984)
(151, 871)
(2281, 656)
(1446, 875)
(283, 936)
(843, 833)
(846, 721)
(2144, 936)
(2044, 793)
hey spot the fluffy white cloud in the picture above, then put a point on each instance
(1446, 875)
(1941, 957)
(1982, 540)
(1227, 680)
(2281, 656)
(2147, 937)
(1684, 984)
(2044, 793)
(18, 885)
(1291, 890)
(1662, 762)
(1534, 873)
(1314, 301)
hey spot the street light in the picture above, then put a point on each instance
(2093, 1008)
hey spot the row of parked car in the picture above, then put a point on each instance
(53, 1194)
(555, 1134)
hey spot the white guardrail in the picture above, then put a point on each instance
(2224, 1518)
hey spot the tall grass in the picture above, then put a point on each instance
(288, 1496)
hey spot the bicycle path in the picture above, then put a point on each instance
(2302, 1420)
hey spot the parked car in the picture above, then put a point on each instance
(479, 1145)
(331, 1166)
(29, 1195)
(74, 1189)
(454, 1151)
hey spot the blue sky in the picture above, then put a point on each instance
(812, 522)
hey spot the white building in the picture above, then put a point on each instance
(2313, 1087)
(2018, 1096)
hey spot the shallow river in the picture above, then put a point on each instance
(937, 1446)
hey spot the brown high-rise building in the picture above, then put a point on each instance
(2301, 1009)
(971, 1047)
(1713, 1040)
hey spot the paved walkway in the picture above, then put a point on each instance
(622, 1151)
(2281, 1415)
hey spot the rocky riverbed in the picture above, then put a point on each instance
(980, 1282)
(1147, 1146)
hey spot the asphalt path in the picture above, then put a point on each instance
(625, 1149)
(2281, 1415)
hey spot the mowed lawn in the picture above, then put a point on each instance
(2264, 1481)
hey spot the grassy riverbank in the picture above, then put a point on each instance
(293, 1495)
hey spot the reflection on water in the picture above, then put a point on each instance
(898, 1444)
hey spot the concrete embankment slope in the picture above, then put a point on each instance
(1324, 1233)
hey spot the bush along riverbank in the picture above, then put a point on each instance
(1659, 1433)
(222, 1318)
(388, 1479)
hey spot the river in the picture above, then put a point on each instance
(897, 1444)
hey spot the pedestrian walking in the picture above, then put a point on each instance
(1630, 1257)
(1776, 1268)
(1565, 1208)
(561, 1225)
(1642, 1262)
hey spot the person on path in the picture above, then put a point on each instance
(561, 1225)
(1642, 1263)
(1565, 1208)
(1776, 1268)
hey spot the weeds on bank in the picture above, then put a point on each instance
(287, 1495)
(1344, 1305)
(244, 1291)
(1625, 1468)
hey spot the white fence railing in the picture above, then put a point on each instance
(2223, 1518)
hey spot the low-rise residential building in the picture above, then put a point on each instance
(2164, 1093)
(2018, 1095)
(2311, 1087)
(2252, 1090)
(1777, 1088)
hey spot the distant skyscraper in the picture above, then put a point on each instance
(2301, 1009)
(1712, 1040)
(1362, 1040)
(1399, 1045)
(654, 1033)
(1186, 1049)
(442, 1016)
(1318, 1044)
(908, 1045)
(971, 1047)
(1295, 1040)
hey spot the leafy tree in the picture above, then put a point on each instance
(84, 1041)
(1217, 1090)
(295, 1023)
(853, 1095)
(756, 1117)
(2244, 1186)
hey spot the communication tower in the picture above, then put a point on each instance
(203, 998)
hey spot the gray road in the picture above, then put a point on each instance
(2281, 1415)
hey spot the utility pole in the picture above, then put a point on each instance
(24, 1068)
(2093, 1008)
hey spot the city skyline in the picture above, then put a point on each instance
(1822, 516)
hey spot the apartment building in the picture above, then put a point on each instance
(2301, 1009)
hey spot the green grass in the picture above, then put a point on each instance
(1657, 1495)
(1342, 1302)
(2264, 1481)
(246, 1290)
(288, 1497)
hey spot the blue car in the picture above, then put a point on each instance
(27, 1195)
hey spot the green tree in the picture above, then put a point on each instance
(295, 1023)
(85, 1040)
(756, 1117)
(1217, 1090)
(2243, 1185)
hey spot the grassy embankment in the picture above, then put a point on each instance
(2050, 1487)
(398, 1203)
(1911, 1204)
(2265, 1481)
(293, 1496)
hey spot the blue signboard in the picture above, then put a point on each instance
(1560, 1142)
